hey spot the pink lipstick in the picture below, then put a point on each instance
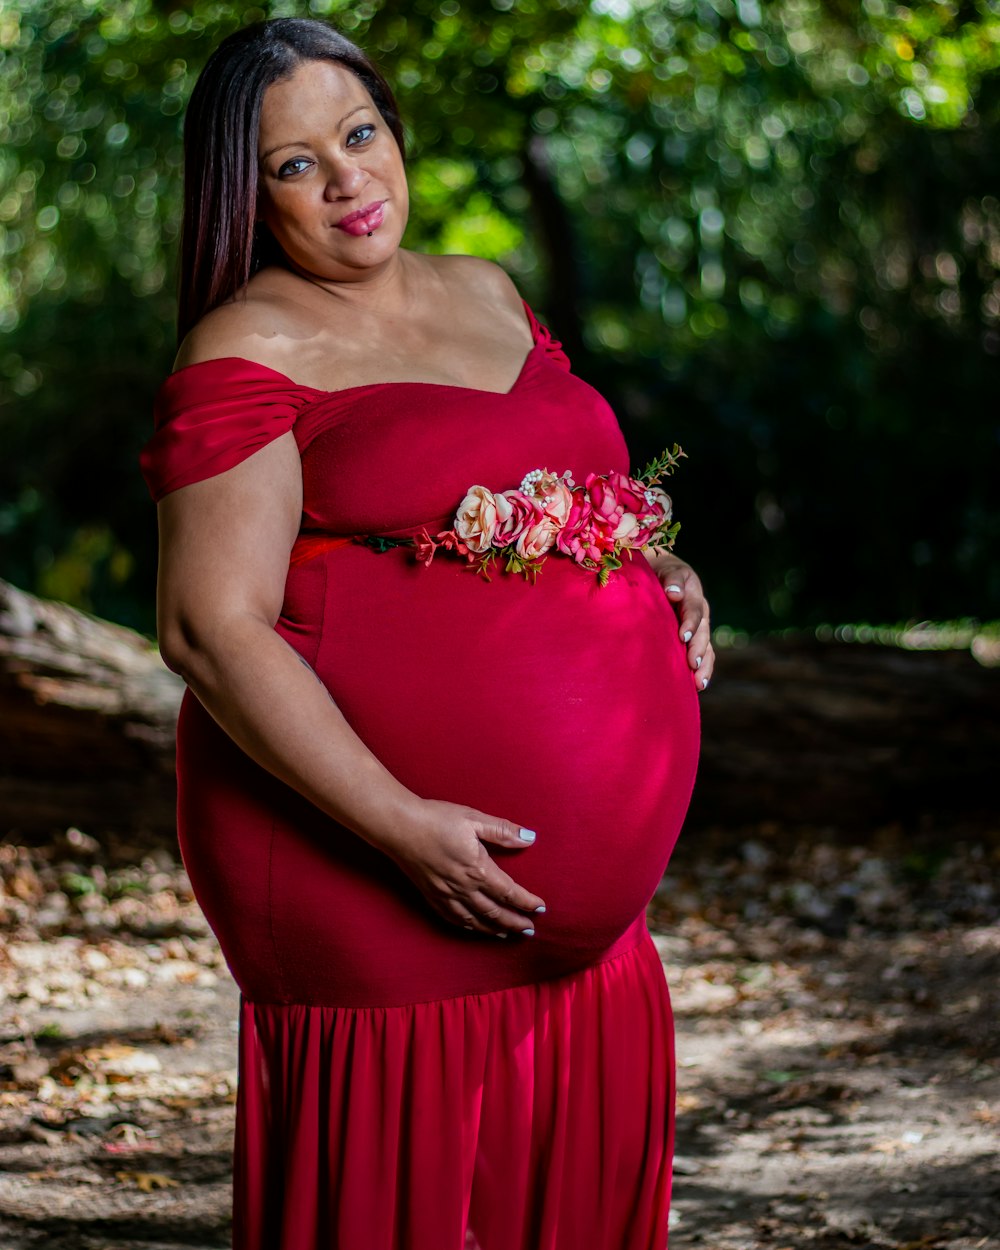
(364, 221)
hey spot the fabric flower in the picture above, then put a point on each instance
(603, 498)
(595, 524)
(519, 513)
(450, 541)
(556, 502)
(657, 511)
(658, 498)
(425, 547)
(476, 519)
(586, 535)
(551, 492)
(534, 541)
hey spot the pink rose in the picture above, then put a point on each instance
(603, 499)
(644, 509)
(518, 512)
(629, 493)
(476, 519)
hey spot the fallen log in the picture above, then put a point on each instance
(794, 730)
(87, 715)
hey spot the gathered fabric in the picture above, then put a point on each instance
(533, 1118)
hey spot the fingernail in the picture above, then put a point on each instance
(697, 661)
(500, 935)
(687, 635)
(676, 589)
(541, 908)
(527, 835)
(528, 932)
(704, 683)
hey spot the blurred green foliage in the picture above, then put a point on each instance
(770, 231)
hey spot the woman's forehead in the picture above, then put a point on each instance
(318, 94)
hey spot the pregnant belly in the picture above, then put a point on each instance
(562, 706)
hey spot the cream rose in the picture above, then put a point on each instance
(537, 539)
(557, 502)
(626, 527)
(477, 518)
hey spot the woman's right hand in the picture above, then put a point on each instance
(445, 856)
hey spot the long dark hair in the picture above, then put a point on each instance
(220, 247)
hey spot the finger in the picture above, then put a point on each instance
(674, 579)
(694, 608)
(504, 890)
(700, 643)
(703, 674)
(464, 917)
(490, 912)
(501, 832)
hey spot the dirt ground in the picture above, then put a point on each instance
(838, 1020)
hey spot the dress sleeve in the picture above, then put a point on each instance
(553, 349)
(209, 416)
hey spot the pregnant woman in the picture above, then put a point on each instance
(387, 763)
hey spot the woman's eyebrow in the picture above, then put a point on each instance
(301, 143)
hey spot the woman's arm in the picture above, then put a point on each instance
(224, 550)
(682, 586)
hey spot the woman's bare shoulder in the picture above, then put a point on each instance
(483, 280)
(258, 324)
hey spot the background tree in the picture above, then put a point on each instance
(768, 231)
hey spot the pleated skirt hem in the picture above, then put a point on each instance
(533, 1118)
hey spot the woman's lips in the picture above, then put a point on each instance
(364, 221)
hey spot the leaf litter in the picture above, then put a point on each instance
(838, 1044)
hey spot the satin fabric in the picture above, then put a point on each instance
(406, 1084)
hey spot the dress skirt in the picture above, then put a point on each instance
(533, 1118)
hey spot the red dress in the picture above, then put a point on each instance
(406, 1084)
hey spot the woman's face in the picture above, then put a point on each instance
(332, 187)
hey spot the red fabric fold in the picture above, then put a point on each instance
(533, 1118)
(306, 546)
(210, 416)
(552, 348)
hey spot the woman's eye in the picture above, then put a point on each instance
(362, 134)
(294, 166)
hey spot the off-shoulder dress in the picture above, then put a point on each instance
(405, 1084)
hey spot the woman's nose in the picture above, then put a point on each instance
(345, 180)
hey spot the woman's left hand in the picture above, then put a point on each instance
(682, 586)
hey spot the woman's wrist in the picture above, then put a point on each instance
(389, 815)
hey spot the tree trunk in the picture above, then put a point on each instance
(87, 714)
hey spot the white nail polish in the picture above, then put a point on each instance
(676, 589)
(697, 661)
(526, 835)
(541, 907)
(704, 683)
(687, 635)
(528, 932)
